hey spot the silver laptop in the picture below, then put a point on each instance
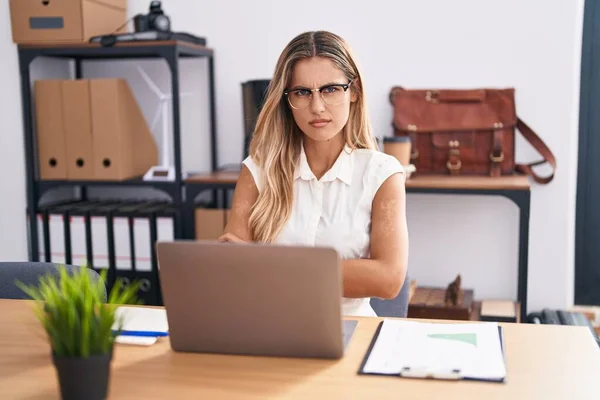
(253, 299)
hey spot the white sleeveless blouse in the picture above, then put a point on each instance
(335, 211)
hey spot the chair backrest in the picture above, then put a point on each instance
(396, 307)
(29, 273)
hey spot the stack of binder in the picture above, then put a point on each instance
(118, 236)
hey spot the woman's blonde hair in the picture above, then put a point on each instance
(277, 140)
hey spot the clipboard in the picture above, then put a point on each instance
(407, 372)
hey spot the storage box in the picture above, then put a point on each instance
(499, 311)
(35, 21)
(210, 223)
(91, 130)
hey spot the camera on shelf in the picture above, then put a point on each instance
(155, 20)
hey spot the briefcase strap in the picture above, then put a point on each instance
(541, 147)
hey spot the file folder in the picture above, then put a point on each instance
(39, 221)
(79, 233)
(77, 129)
(146, 264)
(103, 250)
(40, 238)
(122, 222)
(462, 351)
(123, 241)
(123, 146)
(52, 158)
(101, 234)
(59, 238)
(44, 230)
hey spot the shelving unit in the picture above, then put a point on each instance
(171, 52)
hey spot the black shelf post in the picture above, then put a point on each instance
(172, 58)
(30, 154)
(213, 114)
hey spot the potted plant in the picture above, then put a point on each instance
(81, 327)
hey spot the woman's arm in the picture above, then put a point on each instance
(244, 197)
(383, 274)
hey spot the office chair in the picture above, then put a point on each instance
(396, 307)
(29, 273)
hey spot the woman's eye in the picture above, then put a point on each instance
(302, 92)
(330, 89)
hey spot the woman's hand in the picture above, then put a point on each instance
(230, 238)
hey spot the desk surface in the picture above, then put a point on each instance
(512, 182)
(558, 362)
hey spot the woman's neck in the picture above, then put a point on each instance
(321, 155)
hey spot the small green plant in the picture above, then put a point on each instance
(72, 310)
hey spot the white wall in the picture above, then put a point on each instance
(13, 233)
(434, 43)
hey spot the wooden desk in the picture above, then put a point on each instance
(543, 362)
(514, 187)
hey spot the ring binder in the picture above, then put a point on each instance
(103, 251)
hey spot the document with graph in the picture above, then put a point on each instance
(470, 351)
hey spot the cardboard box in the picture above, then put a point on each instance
(38, 21)
(210, 223)
(91, 130)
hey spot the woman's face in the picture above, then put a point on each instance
(319, 119)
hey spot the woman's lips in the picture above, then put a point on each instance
(319, 123)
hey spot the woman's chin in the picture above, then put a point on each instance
(320, 134)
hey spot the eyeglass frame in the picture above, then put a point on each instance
(344, 86)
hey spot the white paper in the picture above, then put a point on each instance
(142, 319)
(438, 348)
(136, 340)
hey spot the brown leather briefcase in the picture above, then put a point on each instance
(465, 132)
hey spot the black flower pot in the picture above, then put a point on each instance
(83, 378)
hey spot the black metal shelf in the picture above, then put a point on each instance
(171, 188)
(171, 52)
(148, 49)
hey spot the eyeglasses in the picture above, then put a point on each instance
(332, 95)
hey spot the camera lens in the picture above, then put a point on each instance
(161, 23)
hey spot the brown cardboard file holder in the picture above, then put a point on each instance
(91, 130)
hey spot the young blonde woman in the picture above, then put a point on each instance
(314, 175)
